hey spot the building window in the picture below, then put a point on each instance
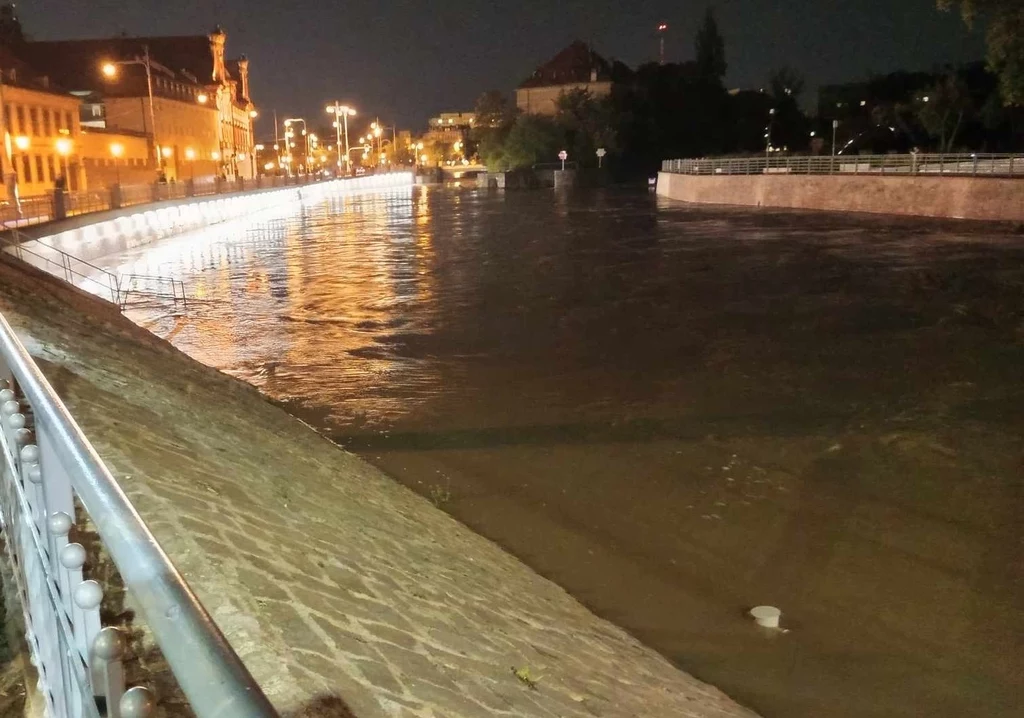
(49, 166)
(7, 119)
(21, 120)
(33, 115)
(40, 177)
(26, 169)
(47, 128)
(68, 123)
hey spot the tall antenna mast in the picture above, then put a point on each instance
(662, 29)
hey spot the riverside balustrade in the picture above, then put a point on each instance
(987, 165)
(62, 204)
(56, 497)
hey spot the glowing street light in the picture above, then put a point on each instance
(343, 110)
(202, 97)
(64, 147)
(22, 142)
(117, 150)
(110, 71)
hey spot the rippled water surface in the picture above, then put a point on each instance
(676, 413)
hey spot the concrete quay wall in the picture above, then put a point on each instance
(344, 593)
(981, 198)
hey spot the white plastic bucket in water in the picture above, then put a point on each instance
(767, 616)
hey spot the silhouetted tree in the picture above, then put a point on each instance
(494, 118)
(1004, 38)
(710, 49)
(586, 123)
(945, 109)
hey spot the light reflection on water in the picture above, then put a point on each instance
(675, 413)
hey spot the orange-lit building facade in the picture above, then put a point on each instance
(202, 114)
(40, 131)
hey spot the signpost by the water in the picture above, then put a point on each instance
(563, 155)
(600, 156)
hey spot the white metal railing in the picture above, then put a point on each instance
(44, 208)
(988, 165)
(51, 481)
(121, 290)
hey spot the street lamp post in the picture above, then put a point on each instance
(337, 109)
(289, 133)
(117, 149)
(63, 147)
(835, 126)
(768, 137)
(110, 70)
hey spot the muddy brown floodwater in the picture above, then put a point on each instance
(676, 413)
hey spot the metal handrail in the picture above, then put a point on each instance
(975, 164)
(209, 672)
(113, 284)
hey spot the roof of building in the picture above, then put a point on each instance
(576, 63)
(18, 73)
(76, 63)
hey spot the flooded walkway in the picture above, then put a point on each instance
(675, 413)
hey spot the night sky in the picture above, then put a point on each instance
(405, 60)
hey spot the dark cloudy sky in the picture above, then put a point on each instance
(407, 59)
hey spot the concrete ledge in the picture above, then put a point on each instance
(981, 198)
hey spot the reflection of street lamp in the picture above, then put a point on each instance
(110, 70)
(117, 150)
(343, 110)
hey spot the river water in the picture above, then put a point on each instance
(676, 413)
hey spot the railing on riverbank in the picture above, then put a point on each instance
(988, 165)
(52, 484)
(121, 290)
(60, 205)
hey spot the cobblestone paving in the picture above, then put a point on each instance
(343, 592)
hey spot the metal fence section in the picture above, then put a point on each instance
(987, 165)
(45, 208)
(52, 479)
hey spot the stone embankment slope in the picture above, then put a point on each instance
(343, 592)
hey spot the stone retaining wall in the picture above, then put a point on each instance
(985, 198)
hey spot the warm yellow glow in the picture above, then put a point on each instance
(423, 158)
(348, 111)
(63, 146)
(268, 166)
(22, 142)
(190, 154)
(202, 97)
(419, 145)
(253, 114)
(215, 155)
(110, 69)
(116, 149)
(376, 132)
(241, 157)
(323, 158)
(166, 151)
(362, 140)
(373, 125)
(275, 148)
(259, 148)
